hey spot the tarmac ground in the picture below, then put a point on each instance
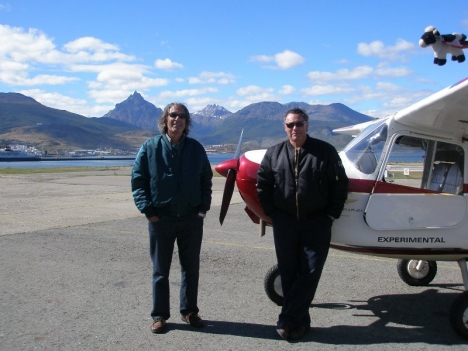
(75, 274)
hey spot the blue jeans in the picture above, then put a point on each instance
(301, 250)
(188, 232)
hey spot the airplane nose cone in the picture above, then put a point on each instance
(225, 166)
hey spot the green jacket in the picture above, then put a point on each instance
(171, 180)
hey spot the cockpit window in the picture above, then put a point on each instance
(426, 164)
(365, 150)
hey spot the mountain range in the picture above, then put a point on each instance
(131, 122)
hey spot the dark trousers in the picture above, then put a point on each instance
(188, 232)
(301, 249)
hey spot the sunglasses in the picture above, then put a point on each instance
(297, 124)
(180, 115)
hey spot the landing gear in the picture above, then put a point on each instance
(459, 309)
(459, 315)
(412, 272)
(272, 285)
(421, 273)
(417, 272)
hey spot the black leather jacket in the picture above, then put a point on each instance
(321, 185)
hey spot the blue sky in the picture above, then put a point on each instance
(86, 56)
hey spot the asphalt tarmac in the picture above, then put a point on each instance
(75, 274)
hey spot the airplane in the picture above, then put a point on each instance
(407, 192)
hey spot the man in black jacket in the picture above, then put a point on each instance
(302, 187)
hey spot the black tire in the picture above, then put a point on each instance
(459, 315)
(412, 276)
(272, 285)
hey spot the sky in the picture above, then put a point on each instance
(86, 56)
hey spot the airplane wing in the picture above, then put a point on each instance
(444, 112)
(354, 129)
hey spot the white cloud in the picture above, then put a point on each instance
(383, 70)
(120, 76)
(112, 96)
(89, 44)
(378, 49)
(286, 90)
(167, 64)
(15, 73)
(213, 78)
(18, 45)
(249, 90)
(253, 93)
(41, 79)
(360, 72)
(185, 92)
(89, 49)
(288, 59)
(284, 60)
(62, 102)
(317, 90)
(54, 100)
(388, 86)
(111, 75)
(13, 66)
(261, 58)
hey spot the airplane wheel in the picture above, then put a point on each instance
(417, 272)
(459, 315)
(272, 285)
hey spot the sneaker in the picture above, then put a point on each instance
(193, 319)
(158, 326)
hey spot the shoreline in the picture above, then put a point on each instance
(81, 169)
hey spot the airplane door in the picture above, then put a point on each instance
(421, 187)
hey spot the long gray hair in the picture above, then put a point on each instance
(162, 122)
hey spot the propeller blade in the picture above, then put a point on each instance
(230, 175)
(227, 195)
(239, 144)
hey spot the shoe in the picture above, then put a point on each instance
(193, 319)
(158, 326)
(299, 332)
(283, 332)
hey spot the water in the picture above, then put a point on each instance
(407, 157)
(213, 158)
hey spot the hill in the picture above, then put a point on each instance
(23, 119)
(131, 122)
(263, 124)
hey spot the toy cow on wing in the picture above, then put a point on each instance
(444, 44)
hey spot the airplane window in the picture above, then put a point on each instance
(426, 164)
(365, 151)
(447, 169)
(406, 162)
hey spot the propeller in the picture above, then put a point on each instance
(229, 170)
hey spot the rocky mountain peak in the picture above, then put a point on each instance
(214, 110)
(135, 97)
(136, 110)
